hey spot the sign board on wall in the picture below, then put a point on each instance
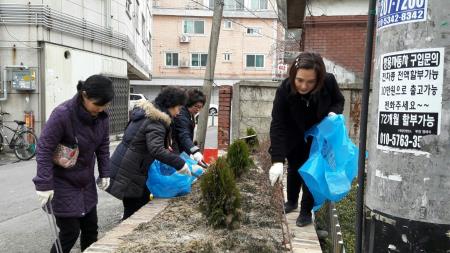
(395, 12)
(410, 98)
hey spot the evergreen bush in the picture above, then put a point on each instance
(253, 142)
(238, 157)
(221, 198)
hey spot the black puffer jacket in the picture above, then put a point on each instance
(146, 138)
(293, 114)
(183, 132)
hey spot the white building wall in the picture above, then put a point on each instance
(62, 75)
(337, 8)
(32, 46)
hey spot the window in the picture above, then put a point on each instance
(143, 27)
(194, 26)
(227, 57)
(229, 5)
(255, 61)
(258, 4)
(254, 31)
(199, 60)
(227, 25)
(172, 59)
(128, 8)
(149, 43)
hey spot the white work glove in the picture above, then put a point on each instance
(185, 170)
(275, 173)
(103, 183)
(196, 169)
(198, 157)
(45, 196)
(331, 114)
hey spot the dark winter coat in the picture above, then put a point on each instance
(146, 138)
(183, 132)
(75, 188)
(293, 114)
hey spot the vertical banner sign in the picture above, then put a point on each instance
(410, 98)
(395, 12)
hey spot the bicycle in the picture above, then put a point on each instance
(23, 142)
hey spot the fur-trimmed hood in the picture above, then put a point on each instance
(145, 108)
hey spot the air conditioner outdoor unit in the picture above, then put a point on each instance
(184, 63)
(184, 38)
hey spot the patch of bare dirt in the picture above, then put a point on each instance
(181, 227)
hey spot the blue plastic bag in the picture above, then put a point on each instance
(332, 163)
(164, 182)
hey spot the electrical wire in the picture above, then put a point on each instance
(235, 22)
(14, 37)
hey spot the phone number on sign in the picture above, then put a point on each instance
(399, 140)
(396, 18)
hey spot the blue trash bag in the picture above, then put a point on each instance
(332, 163)
(163, 182)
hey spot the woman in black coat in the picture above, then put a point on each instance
(184, 125)
(146, 138)
(304, 99)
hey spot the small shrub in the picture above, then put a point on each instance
(253, 142)
(238, 158)
(221, 197)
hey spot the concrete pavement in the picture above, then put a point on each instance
(23, 225)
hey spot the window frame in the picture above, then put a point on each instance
(227, 21)
(259, 5)
(225, 57)
(255, 67)
(199, 60)
(172, 65)
(258, 32)
(193, 20)
(128, 4)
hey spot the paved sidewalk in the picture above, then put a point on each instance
(304, 239)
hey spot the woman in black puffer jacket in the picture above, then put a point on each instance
(146, 138)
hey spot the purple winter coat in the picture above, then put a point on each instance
(75, 188)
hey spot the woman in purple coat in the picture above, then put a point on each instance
(72, 191)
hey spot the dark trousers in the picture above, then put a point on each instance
(131, 205)
(295, 181)
(69, 230)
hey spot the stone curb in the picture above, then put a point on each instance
(304, 239)
(112, 239)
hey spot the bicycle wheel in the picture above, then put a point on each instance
(25, 145)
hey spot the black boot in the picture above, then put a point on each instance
(289, 207)
(303, 220)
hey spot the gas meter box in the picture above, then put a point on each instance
(23, 79)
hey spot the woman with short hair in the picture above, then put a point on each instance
(146, 138)
(184, 124)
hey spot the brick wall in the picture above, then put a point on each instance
(340, 39)
(223, 129)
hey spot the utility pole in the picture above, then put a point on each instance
(408, 183)
(209, 73)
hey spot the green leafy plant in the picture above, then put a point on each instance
(238, 158)
(252, 142)
(221, 198)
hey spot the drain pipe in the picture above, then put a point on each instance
(363, 127)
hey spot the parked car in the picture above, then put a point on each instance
(213, 109)
(134, 98)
